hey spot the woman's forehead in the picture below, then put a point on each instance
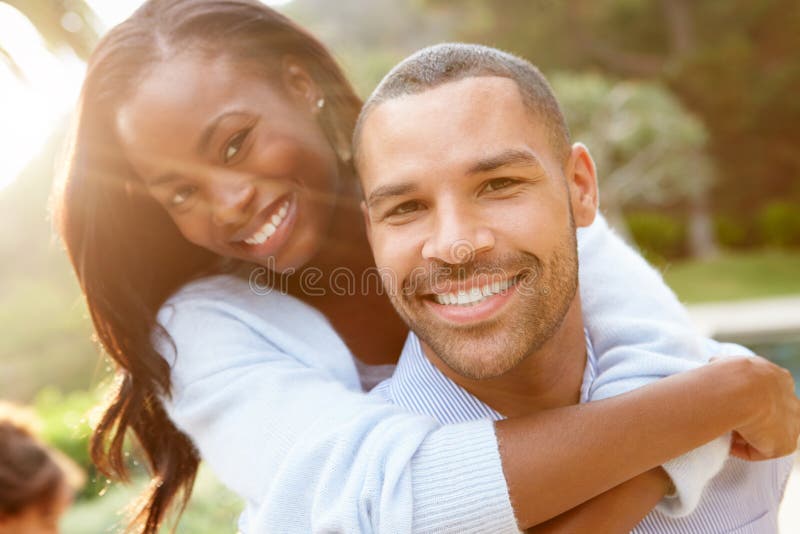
(194, 83)
(179, 97)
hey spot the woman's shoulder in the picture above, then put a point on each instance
(221, 319)
(234, 294)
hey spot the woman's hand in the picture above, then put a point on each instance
(772, 426)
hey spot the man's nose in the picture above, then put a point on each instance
(458, 235)
(231, 200)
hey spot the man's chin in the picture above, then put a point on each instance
(477, 364)
(475, 352)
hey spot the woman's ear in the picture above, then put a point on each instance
(581, 178)
(300, 85)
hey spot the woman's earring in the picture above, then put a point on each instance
(321, 103)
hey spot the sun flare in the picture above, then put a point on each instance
(32, 105)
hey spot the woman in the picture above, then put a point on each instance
(36, 483)
(213, 135)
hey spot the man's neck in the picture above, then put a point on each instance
(550, 377)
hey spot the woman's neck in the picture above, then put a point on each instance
(352, 300)
(346, 244)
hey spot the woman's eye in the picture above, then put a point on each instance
(182, 195)
(497, 184)
(234, 145)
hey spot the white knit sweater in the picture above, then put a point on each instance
(272, 399)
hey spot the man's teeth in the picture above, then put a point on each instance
(269, 228)
(473, 296)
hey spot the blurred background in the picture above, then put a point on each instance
(690, 109)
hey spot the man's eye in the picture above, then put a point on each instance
(404, 209)
(181, 195)
(497, 184)
(235, 145)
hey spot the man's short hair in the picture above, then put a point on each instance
(451, 62)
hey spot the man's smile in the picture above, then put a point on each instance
(478, 304)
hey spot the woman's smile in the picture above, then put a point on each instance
(269, 230)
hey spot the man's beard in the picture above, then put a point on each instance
(545, 291)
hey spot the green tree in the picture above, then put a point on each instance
(647, 148)
(370, 36)
(734, 64)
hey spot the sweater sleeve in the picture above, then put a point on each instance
(640, 333)
(295, 437)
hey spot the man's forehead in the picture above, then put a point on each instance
(460, 96)
(451, 115)
(458, 121)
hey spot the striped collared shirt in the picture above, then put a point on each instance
(743, 498)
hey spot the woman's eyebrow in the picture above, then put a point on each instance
(163, 179)
(211, 128)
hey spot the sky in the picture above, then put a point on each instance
(30, 109)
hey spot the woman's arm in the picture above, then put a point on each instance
(616, 511)
(640, 333)
(578, 452)
(280, 418)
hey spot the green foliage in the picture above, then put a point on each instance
(731, 232)
(370, 37)
(660, 237)
(213, 509)
(66, 427)
(779, 223)
(733, 64)
(46, 333)
(647, 148)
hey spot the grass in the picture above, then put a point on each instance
(770, 273)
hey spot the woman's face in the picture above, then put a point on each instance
(239, 163)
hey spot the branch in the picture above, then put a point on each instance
(680, 25)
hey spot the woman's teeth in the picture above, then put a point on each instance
(475, 295)
(269, 228)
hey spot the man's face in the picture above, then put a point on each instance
(469, 213)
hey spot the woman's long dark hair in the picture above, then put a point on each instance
(128, 255)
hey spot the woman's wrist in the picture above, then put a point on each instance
(739, 391)
(663, 482)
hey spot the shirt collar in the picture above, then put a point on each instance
(420, 386)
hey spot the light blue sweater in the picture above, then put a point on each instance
(272, 398)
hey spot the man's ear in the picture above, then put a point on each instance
(367, 222)
(581, 176)
(300, 85)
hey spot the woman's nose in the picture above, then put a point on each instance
(231, 202)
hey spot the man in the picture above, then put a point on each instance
(473, 196)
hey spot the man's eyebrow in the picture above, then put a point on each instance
(391, 190)
(506, 158)
(211, 128)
